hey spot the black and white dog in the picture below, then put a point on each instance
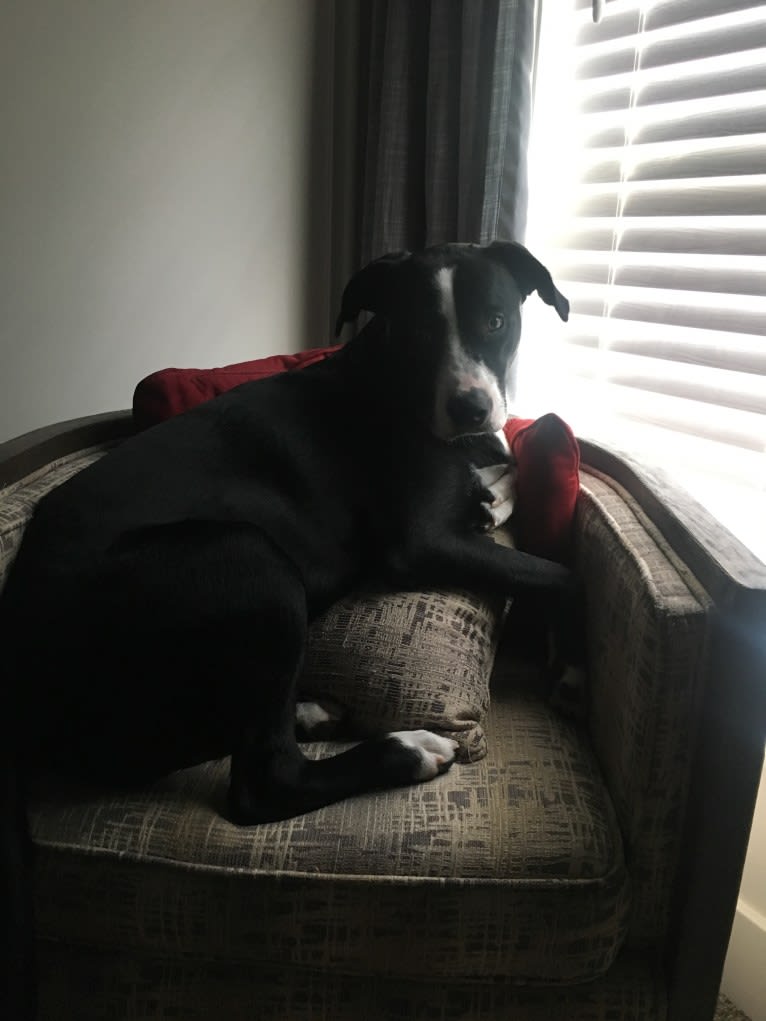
(157, 611)
(158, 608)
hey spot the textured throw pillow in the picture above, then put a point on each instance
(405, 660)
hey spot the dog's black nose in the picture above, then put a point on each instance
(469, 409)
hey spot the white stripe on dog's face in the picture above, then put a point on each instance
(460, 372)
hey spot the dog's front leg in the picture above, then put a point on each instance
(497, 495)
(430, 555)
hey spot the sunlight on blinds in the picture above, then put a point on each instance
(648, 203)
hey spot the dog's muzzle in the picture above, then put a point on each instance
(470, 410)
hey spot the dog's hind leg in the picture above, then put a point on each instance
(271, 778)
(218, 627)
(279, 783)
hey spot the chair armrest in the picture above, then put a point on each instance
(686, 711)
(33, 450)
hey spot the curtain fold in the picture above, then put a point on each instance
(444, 121)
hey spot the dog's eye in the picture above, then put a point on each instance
(495, 322)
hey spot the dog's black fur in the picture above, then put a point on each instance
(157, 611)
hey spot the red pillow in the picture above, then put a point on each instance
(545, 449)
(548, 465)
(171, 391)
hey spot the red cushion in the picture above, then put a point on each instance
(548, 481)
(171, 391)
(545, 449)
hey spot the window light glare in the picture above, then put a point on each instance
(626, 366)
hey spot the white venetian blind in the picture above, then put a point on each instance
(648, 203)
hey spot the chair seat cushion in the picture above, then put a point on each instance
(510, 866)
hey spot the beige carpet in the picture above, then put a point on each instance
(726, 1011)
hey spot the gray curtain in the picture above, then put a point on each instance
(444, 121)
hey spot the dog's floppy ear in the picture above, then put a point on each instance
(529, 274)
(373, 288)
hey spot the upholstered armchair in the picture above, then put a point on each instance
(564, 869)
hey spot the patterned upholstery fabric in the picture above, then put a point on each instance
(519, 853)
(405, 660)
(648, 635)
(85, 984)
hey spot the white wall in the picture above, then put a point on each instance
(164, 183)
(744, 977)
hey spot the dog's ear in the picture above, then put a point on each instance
(529, 274)
(372, 289)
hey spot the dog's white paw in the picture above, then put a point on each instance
(492, 474)
(314, 719)
(435, 754)
(500, 481)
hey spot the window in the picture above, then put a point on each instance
(648, 204)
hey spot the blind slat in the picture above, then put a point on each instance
(646, 44)
(716, 349)
(745, 196)
(664, 234)
(712, 281)
(677, 159)
(662, 272)
(740, 391)
(662, 12)
(698, 80)
(705, 79)
(719, 117)
(667, 13)
(732, 313)
(731, 39)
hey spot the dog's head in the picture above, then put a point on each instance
(454, 317)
